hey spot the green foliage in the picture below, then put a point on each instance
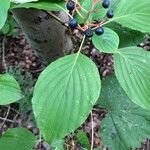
(73, 85)
(26, 82)
(9, 26)
(108, 42)
(46, 5)
(84, 16)
(22, 1)
(68, 88)
(4, 6)
(127, 36)
(126, 125)
(9, 90)
(82, 137)
(133, 72)
(133, 14)
(58, 145)
(99, 11)
(17, 139)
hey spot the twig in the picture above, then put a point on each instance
(40, 140)
(55, 17)
(59, 20)
(5, 119)
(17, 112)
(92, 128)
(91, 9)
(3, 54)
(147, 146)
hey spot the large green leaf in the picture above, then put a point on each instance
(64, 95)
(46, 5)
(9, 90)
(108, 42)
(4, 6)
(127, 36)
(132, 69)
(133, 14)
(126, 125)
(17, 139)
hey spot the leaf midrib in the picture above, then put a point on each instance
(124, 16)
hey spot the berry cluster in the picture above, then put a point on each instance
(106, 4)
(71, 6)
(88, 31)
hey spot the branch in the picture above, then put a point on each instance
(55, 17)
(3, 54)
(92, 128)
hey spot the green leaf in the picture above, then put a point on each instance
(8, 27)
(4, 6)
(126, 125)
(58, 145)
(133, 14)
(82, 137)
(108, 42)
(132, 69)
(46, 5)
(127, 36)
(9, 90)
(64, 95)
(17, 139)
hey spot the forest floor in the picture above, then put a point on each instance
(26, 66)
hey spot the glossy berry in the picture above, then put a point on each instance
(70, 5)
(105, 3)
(73, 23)
(88, 32)
(110, 14)
(99, 31)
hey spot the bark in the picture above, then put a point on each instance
(45, 34)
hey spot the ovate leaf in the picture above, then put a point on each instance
(133, 14)
(46, 5)
(126, 125)
(108, 42)
(132, 69)
(17, 139)
(64, 95)
(9, 90)
(4, 6)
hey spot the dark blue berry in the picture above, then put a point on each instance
(99, 31)
(70, 5)
(73, 23)
(110, 14)
(105, 3)
(88, 32)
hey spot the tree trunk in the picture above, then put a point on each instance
(45, 34)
